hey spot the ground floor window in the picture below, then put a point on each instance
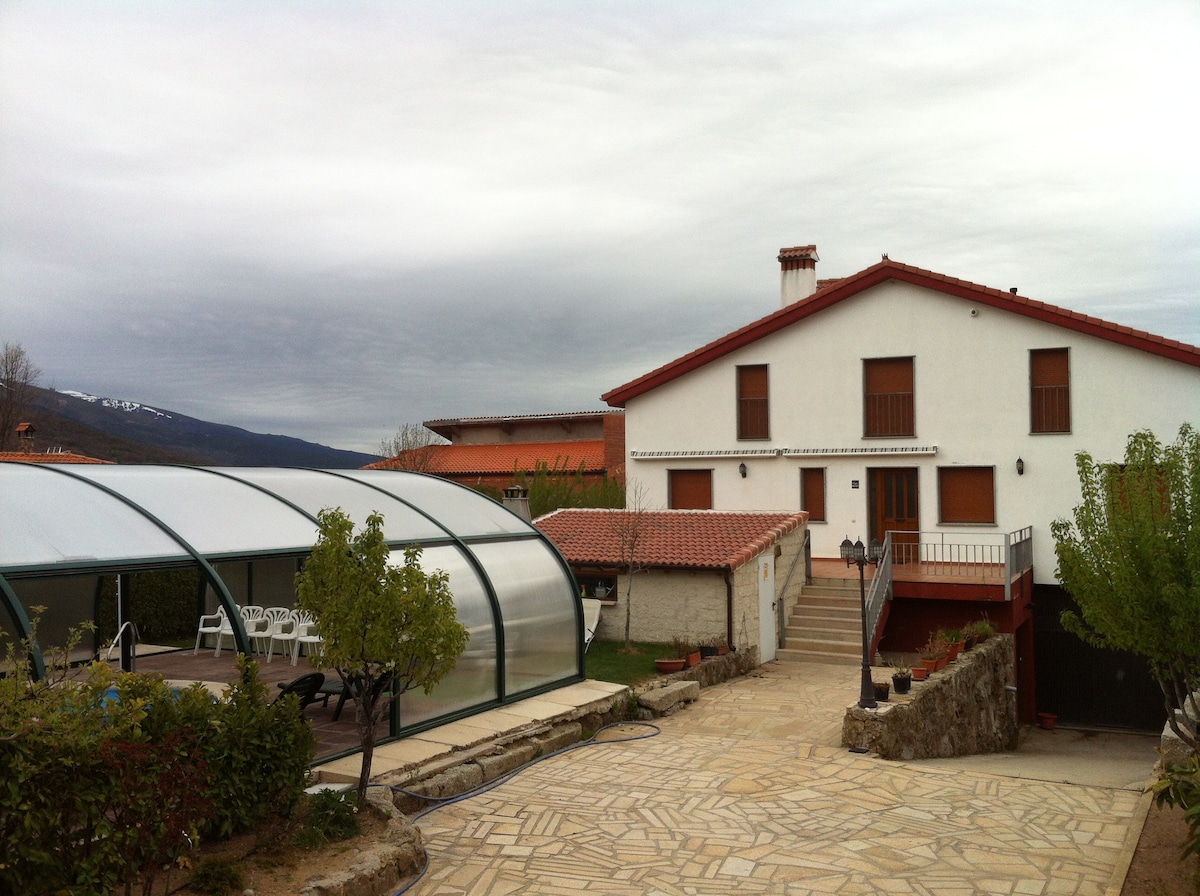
(812, 492)
(966, 495)
(689, 489)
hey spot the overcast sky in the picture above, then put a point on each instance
(327, 219)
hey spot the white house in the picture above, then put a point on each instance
(901, 400)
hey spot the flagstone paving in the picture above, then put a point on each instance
(748, 791)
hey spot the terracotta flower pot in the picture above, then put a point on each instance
(693, 659)
(919, 673)
(671, 664)
(1047, 720)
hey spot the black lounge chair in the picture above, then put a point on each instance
(305, 687)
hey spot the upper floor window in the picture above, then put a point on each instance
(888, 397)
(1049, 390)
(752, 407)
(967, 495)
(689, 489)
(812, 493)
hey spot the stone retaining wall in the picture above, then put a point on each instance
(968, 707)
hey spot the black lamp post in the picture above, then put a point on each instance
(857, 554)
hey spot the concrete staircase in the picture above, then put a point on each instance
(825, 625)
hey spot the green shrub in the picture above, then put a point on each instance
(329, 817)
(110, 776)
(1179, 785)
(217, 876)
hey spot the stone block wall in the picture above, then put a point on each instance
(968, 707)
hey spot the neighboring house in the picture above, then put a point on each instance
(900, 400)
(699, 575)
(486, 452)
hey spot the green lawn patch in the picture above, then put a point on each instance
(604, 661)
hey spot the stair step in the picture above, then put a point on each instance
(814, 656)
(837, 632)
(828, 600)
(825, 645)
(826, 612)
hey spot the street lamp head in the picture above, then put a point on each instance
(847, 550)
(876, 551)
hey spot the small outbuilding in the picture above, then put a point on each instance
(697, 575)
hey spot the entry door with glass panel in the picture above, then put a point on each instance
(893, 497)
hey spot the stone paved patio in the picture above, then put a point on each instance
(748, 791)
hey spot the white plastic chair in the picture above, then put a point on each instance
(307, 635)
(283, 628)
(257, 626)
(212, 624)
(591, 620)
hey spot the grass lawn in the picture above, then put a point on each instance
(604, 661)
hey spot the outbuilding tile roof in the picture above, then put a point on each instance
(505, 458)
(686, 539)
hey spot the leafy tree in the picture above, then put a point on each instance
(628, 526)
(386, 629)
(18, 378)
(553, 487)
(1131, 560)
(413, 447)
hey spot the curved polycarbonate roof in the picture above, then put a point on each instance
(83, 515)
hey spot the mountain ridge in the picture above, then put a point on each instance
(127, 431)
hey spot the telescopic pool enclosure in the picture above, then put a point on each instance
(92, 543)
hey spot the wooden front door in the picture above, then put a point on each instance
(893, 498)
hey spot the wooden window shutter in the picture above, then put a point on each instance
(1049, 390)
(753, 405)
(689, 489)
(812, 492)
(966, 494)
(888, 397)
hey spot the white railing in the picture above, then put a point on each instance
(973, 556)
(880, 590)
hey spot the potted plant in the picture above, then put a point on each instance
(934, 653)
(982, 629)
(670, 664)
(881, 691)
(687, 651)
(709, 647)
(954, 644)
(902, 679)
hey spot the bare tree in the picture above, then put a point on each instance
(412, 447)
(18, 378)
(629, 526)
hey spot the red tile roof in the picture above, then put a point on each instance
(683, 539)
(882, 272)
(58, 457)
(501, 459)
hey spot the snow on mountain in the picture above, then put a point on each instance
(118, 404)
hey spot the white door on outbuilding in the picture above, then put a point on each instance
(767, 635)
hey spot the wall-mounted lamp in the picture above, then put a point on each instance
(742, 470)
(1020, 467)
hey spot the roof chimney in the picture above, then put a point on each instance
(25, 433)
(798, 274)
(516, 499)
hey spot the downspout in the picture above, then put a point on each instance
(729, 608)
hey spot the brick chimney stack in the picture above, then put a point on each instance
(798, 274)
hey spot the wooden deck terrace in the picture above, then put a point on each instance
(922, 572)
